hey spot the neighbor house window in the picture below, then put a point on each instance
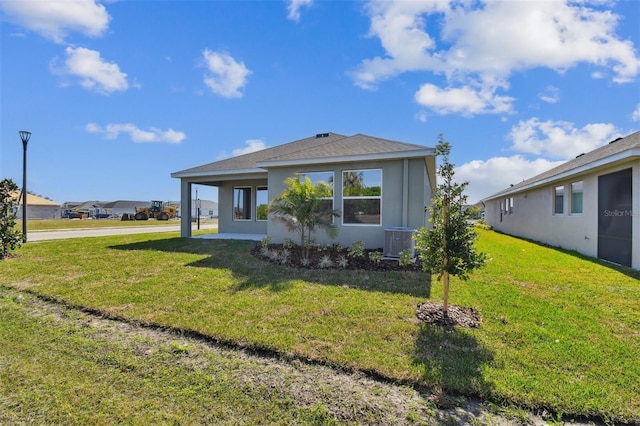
(325, 179)
(362, 197)
(576, 197)
(510, 200)
(558, 200)
(242, 203)
(262, 202)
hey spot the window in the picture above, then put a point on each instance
(558, 200)
(262, 202)
(576, 197)
(326, 178)
(241, 203)
(362, 197)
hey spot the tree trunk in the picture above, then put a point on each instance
(445, 302)
(445, 261)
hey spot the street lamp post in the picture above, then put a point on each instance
(24, 135)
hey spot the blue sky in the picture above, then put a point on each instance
(119, 94)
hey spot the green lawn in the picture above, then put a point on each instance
(559, 332)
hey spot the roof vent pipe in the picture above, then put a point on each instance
(322, 135)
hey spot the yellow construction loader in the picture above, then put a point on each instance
(157, 210)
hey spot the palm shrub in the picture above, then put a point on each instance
(10, 237)
(448, 247)
(301, 209)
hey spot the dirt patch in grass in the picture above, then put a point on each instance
(432, 313)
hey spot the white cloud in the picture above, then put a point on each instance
(112, 131)
(226, 76)
(554, 141)
(475, 44)
(55, 19)
(559, 139)
(422, 116)
(635, 115)
(252, 145)
(464, 100)
(496, 174)
(550, 94)
(94, 72)
(294, 7)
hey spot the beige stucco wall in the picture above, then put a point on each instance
(39, 212)
(405, 192)
(533, 216)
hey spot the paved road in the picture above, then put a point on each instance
(101, 232)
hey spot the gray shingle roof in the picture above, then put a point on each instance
(629, 145)
(325, 146)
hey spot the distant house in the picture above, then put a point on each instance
(37, 207)
(396, 181)
(96, 208)
(121, 207)
(208, 208)
(590, 204)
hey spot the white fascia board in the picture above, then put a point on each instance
(603, 162)
(347, 158)
(217, 173)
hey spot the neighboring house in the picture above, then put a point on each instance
(121, 207)
(396, 181)
(208, 208)
(101, 208)
(37, 207)
(590, 204)
(87, 209)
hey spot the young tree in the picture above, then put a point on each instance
(10, 237)
(448, 247)
(303, 209)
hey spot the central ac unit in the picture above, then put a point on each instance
(398, 239)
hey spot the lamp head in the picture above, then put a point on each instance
(24, 135)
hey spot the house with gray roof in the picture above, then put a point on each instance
(400, 176)
(590, 204)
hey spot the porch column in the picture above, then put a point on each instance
(185, 208)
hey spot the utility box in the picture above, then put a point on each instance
(397, 239)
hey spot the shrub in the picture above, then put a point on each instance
(375, 256)
(356, 249)
(284, 256)
(10, 237)
(325, 262)
(406, 258)
(265, 251)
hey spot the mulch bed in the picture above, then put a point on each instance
(336, 255)
(431, 312)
